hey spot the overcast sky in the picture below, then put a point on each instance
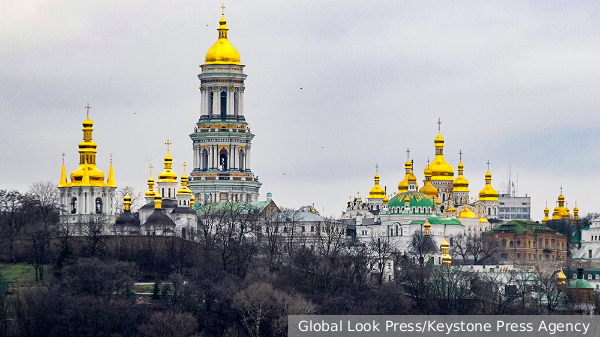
(514, 82)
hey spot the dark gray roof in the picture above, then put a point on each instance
(159, 219)
(183, 210)
(166, 203)
(127, 219)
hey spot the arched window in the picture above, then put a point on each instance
(242, 155)
(73, 205)
(589, 276)
(518, 256)
(489, 211)
(223, 165)
(183, 233)
(236, 100)
(210, 102)
(511, 244)
(574, 276)
(518, 244)
(204, 159)
(503, 243)
(223, 104)
(396, 230)
(98, 206)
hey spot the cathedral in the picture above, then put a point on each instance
(443, 203)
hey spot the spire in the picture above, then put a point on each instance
(157, 201)
(63, 174)
(110, 182)
(150, 192)
(562, 278)
(444, 247)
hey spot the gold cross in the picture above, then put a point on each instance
(427, 162)
(460, 154)
(560, 189)
(222, 9)
(111, 157)
(63, 157)
(184, 165)
(127, 188)
(150, 166)
(88, 107)
(488, 163)
(168, 143)
(439, 123)
(407, 153)
(376, 167)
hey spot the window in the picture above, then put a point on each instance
(303, 229)
(540, 243)
(312, 228)
(73, 205)
(552, 243)
(511, 244)
(589, 276)
(574, 276)
(529, 244)
(597, 277)
(518, 256)
(98, 206)
(589, 254)
(503, 243)
(518, 244)
(530, 256)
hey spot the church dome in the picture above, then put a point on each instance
(184, 190)
(439, 168)
(416, 199)
(428, 188)
(168, 175)
(377, 192)
(460, 183)
(403, 185)
(222, 52)
(467, 213)
(488, 193)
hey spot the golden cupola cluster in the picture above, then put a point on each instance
(87, 174)
(488, 193)
(460, 183)
(377, 192)
(440, 170)
(561, 211)
(428, 189)
(222, 52)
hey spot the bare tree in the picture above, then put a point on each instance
(137, 199)
(380, 249)
(12, 219)
(95, 227)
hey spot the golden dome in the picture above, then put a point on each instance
(192, 201)
(377, 192)
(445, 244)
(150, 192)
(87, 158)
(222, 52)
(407, 199)
(440, 170)
(403, 185)
(428, 188)
(467, 213)
(460, 183)
(184, 190)
(168, 175)
(488, 193)
(127, 201)
(562, 278)
(483, 219)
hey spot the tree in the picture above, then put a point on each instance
(12, 219)
(474, 247)
(380, 250)
(137, 199)
(95, 227)
(169, 323)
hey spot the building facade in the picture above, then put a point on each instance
(514, 208)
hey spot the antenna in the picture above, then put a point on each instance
(517, 185)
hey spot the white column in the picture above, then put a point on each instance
(241, 103)
(216, 103)
(202, 99)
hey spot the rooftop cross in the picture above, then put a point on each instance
(407, 153)
(184, 165)
(168, 143)
(439, 123)
(560, 189)
(111, 157)
(127, 188)
(88, 107)
(222, 9)
(460, 154)
(150, 166)
(488, 164)
(376, 167)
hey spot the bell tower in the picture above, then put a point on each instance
(222, 138)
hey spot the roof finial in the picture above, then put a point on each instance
(111, 157)
(427, 162)
(488, 164)
(439, 124)
(560, 189)
(222, 9)
(460, 154)
(407, 153)
(88, 107)
(376, 167)
(168, 143)
(127, 188)
(63, 155)
(184, 165)
(150, 166)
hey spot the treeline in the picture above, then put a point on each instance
(239, 274)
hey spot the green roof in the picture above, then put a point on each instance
(417, 199)
(241, 207)
(580, 284)
(523, 227)
(437, 221)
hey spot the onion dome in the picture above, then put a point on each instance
(222, 52)
(407, 200)
(403, 185)
(467, 213)
(439, 168)
(157, 201)
(193, 202)
(561, 278)
(483, 219)
(427, 227)
(546, 212)
(87, 155)
(168, 175)
(446, 258)
(126, 218)
(488, 193)
(428, 188)
(127, 201)
(460, 183)
(184, 190)
(576, 213)
(151, 192)
(377, 192)
(556, 214)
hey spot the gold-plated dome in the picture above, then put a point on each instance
(446, 258)
(467, 213)
(546, 212)
(488, 193)
(403, 185)
(127, 201)
(222, 52)
(439, 168)
(377, 192)
(87, 158)
(562, 278)
(151, 192)
(192, 201)
(460, 183)
(184, 190)
(483, 219)
(428, 188)
(168, 175)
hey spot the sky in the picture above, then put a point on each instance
(333, 88)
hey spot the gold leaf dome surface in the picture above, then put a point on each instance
(222, 52)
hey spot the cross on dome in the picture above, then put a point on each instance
(439, 124)
(184, 165)
(407, 153)
(150, 166)
(88, 107)
(168, 143)
(376, 167)
(223, 9)
(460, 154)
(488, 164)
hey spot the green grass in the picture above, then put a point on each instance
(143, 289)
(20, 272)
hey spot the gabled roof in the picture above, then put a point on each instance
(438, 221)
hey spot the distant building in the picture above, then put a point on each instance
(514, 208)
(529, 241)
